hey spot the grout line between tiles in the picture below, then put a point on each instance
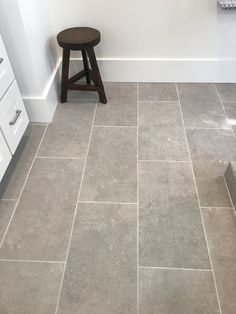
(115, 126)
(175, 268)
(195, 183)
(193, 128)
(231, 201)
(31, 261)
(114, 203)
(137, 199)
(226, 102)
(38, 123)
(67, 158)
(217, 207)
(76, 210)
(156, 160)
(226, 115)
(213, 273)
(159, 101)
(26, 179)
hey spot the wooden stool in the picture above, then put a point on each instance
(80, 39)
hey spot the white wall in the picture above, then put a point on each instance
(142, 40)
(154, 28)
(180, 39)
(27, 29)
(15, 38)
(40, 35)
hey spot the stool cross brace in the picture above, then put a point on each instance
(92, 74)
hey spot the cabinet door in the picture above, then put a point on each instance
(6, 73)
(13, 117)
(5, 156)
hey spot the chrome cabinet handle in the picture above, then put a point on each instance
(18, 113)
(1, 60)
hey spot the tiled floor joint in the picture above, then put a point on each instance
(124, 202)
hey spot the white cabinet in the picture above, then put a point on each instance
(5, 156)
(6, 73)
(13, 116)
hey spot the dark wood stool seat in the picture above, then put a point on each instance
(80, 39)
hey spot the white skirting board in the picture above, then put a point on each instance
(165, 70)
(42, 108)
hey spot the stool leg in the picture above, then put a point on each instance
(65, 75)
(86, 66)
(96, 75)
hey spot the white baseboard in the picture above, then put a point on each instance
(42, 108)
(166, 70)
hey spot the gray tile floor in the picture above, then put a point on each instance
(122, 208)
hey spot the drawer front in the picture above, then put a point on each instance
(5, 156)
(6, 73)
(13, 117)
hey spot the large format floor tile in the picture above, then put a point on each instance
(101, 275)
(171, 232)
(227, 92)
(157, 92)
(15, 176)
(121, 108)
(211, 150)
(220, 227)
(68, 134)
(212, 144)
(210, 181)
(161, 132)
(230, 109)
(6, 211)
(177, 292)
(226, 285)
(120, 255)
(27, 288)
(78, 96)
(42, 222)
(111, 171)
(201, 106)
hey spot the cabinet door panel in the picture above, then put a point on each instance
(5, 156)
(6, 73)
(13, 117)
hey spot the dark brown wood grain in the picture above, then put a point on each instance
(81, 39)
